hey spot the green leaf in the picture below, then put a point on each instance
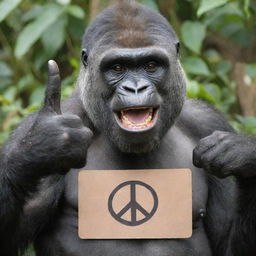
(33, 31)
(196, 66)
(247, 124)
(213, 90)
(193, 89)
(75, 28)
(5, 81)
(217, 17)
(204, 94)
(10, 93)
(251, 70)
(7, 6)
(32, 13)
(63, 2)
(212, 56)
(246, 5)
(37, 96)
(223, 67)
(76, 11)
(193, 34)
(40, 59)
(26, 83)
(207, 5)
(5, 70)
(53, 37)
(243, 37)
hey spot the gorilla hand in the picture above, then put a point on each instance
(56, 142)
(224, 153)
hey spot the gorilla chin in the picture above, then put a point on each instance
(125, 146)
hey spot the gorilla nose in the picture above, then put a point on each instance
(135, 88)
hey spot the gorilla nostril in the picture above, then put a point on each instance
(133, 89)
(129, 89)
(143, 88)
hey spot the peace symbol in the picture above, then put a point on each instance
(133, 205)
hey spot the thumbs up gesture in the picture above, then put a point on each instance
(56, 142)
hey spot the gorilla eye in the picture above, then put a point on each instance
(151, 66)
(118, 68)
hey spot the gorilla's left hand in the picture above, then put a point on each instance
(224, 153)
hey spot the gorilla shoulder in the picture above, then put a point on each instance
(199, 119)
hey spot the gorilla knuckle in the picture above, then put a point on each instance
(86, 134)
(220, 134)
(46, 121)
(204, 159)
(72, 121)
(226, 145)
(72, 117)
(65, 136)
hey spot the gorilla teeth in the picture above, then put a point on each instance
(129, 124)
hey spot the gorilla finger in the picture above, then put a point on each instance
(196, 158)
(205, 144)
(216, 152)
(230, 163)
(214, 144)
(220, 135)
(209, 162)
(223, 164)
(70, 121)
(53, 90)
(201, 149)
(80, 138)
(74, 162)
(88, 134)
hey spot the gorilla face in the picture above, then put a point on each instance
(135, 75)
(136, 96)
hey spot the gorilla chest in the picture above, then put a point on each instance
(173, 153)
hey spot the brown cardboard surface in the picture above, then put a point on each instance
(135, 204)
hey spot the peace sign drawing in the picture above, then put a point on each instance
(133, 205)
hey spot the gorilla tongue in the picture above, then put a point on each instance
(139, 116)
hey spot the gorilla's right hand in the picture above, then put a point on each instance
(55, 142)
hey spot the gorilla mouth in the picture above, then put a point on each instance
(137, 118)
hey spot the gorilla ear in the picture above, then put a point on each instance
(84, 57)
(177, 44)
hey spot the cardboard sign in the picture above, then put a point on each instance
(135, 204)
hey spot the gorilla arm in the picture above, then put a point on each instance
(226, 154)
(200, 120)
(45, 144)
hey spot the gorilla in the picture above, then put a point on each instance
(128, 111)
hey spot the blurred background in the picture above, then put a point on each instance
(218, 53)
